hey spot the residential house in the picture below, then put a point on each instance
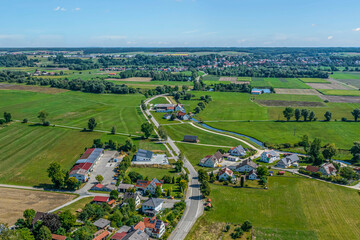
(132, 195)
(212, 160)
(152, 206)
(246, 166)
(100, 199)
(232, 158)
(269, 156)
(102, 223)
(287, 161)
(167, 116)
(182, 116)
(101, 235)
(225, 174)
(328, 169)
(154, 227)
(237, 151)
(253, 175)
(121, 233)
(169, 108)
(57, 237)
(312, 168)
(150, 186)
(190, 138)
(136, 235)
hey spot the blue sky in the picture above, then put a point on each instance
(179, 23)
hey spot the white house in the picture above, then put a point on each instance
(212, 160)
(287, 161)
(253, 175)
(135, 196)
(246, 166)
(237, 151)
(150, 186)
(225, 174)
(152, 206)
(328, 169)
(155, 228)
(269, 156)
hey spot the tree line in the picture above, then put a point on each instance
(309, 115)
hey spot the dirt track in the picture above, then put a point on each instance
(13, 202)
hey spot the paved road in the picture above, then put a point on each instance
(194, 205)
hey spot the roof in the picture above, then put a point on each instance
(218, 155)
(124, 228)
(329, 168)
(191, 138)
(238, 148)
(271, 153)
(140, 226)
(160, 105)
(111, 201)
(248, 162)
(136, 235)
(227, 171)
(119, 236)
(100, 199)
(144, 153)
(102, 235)
(57, 237)
(98, 185)
(78, 172)
(312, 168)
(87, 153)
(144, 183)
(128, 195)
(153, 202)
(125, 186)
(293, 158)
(101, 223)
(38, 216)
(254, 171)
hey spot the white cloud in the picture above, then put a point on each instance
(58, 8)
(110, 37)
(356, 30)
(77, 9)
(330, 37)
(9, 36)
(313, 25)
(191, 31)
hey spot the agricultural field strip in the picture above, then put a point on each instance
(201, 144)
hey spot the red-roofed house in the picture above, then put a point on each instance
(140, 226)
(100, 199)
(118, 236)
(225, 174)
(102, 236)
(148, 185)
(57, 237)
(154, 227)
(112, 203)
(312, 168)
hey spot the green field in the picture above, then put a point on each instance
(77, 205)
(244, 79)
(353, 82)
(314, 80)
(292, 208)
(27, 151)
(292, 83)
(340, 92)
(75, 108)
(211, 78)
(291, 132)
(346, 75)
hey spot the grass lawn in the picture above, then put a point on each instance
(346, 75)
(292, 208)
(211, 78)
(75, 108)
(314, 80)
(178, 131)
(292, 83)
(159, 100)
(76, 205)
(283, 132)
(340, 92)
(27, 151)
(194, 153)
(288, 97)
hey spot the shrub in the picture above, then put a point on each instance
(25, 120)
(343, 119)
(46, 123)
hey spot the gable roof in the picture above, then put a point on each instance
(136, 235)
(140, 226)
(191, 138)
(254, 171)
(312, 168)
(144, 183)
(238, 148)
(102, 235)
(218, 155)
(226, 170)
(247, 162)
(271, 153)
(153, 202)
(118, 236)
(329, 168)
(57, 237)
(293, 158)
(100, 199)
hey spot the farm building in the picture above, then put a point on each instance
(169, 108)
(123, 187)
(182, 116)
(258, 91)
(190, 138)
(105, 188)
(102, 223)
(148, 157)
(100, 199)
(86, 163)
(269, 156)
